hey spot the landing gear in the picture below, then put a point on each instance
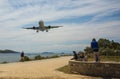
(37, 31)
(46, 30)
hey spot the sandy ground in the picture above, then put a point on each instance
(39, 69)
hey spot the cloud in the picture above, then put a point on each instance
(81, 20)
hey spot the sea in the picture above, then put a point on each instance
(15, 57)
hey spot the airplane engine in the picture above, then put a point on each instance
(49, 27)
(33, 27)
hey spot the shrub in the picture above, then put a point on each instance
(55, 56)
(38, 57)
(109, 52)
(26, 58)
(4, 62)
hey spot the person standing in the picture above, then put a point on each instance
(22, 56)
(95, 47)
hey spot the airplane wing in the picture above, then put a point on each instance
(50, 27)
(34, 28)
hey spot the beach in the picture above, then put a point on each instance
(39, 69)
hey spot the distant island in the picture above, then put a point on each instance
(8, 51)
(47, 53)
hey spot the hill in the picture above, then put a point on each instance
(8, 51)
(47, 53)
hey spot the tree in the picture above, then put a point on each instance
(106, 47)
(88, 50)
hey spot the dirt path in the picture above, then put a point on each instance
(41, 69)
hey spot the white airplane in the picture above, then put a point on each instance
(41, 27)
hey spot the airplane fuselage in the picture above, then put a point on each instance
(41, 27)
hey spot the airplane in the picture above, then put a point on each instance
(41, 27)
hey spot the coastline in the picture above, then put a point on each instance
(15, 57)
(39, 69)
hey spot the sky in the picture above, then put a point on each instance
(82, 20)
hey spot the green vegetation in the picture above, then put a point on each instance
(4, 62)
(110, 58)
(64, 69)
(38, 57)
(109, 51)
(106, 48)
(105, 58)
(55, 56)
(26, 58)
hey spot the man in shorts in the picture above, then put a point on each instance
(95, 47)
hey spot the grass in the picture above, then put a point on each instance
(65, 69)
(110, 58)
(106, 58)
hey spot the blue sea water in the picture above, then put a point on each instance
(15, 57)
